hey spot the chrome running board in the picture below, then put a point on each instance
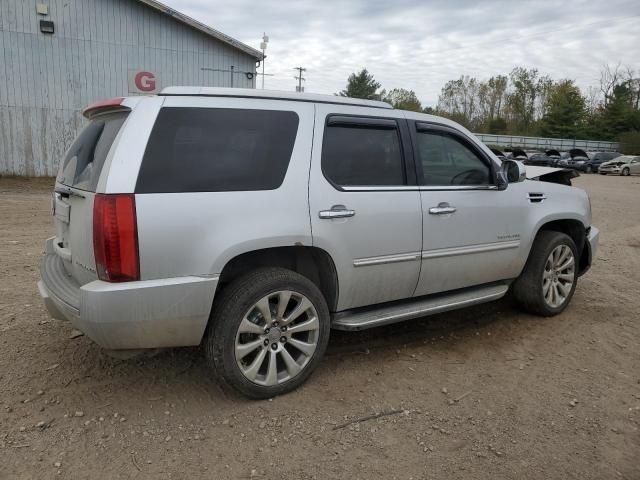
(369, 317)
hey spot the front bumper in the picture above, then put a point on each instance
(170, 312)
(590, 250)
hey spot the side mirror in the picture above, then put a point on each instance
(514, 171)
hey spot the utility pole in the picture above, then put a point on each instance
(300, 79)
(263, 46)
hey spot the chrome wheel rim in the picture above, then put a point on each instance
(558, 276)
(277, 338)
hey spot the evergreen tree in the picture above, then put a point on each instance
(361, 85)
(565, 110)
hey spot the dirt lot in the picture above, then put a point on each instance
(487, 392)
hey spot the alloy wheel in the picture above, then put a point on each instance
(277, 338)
(558, 276)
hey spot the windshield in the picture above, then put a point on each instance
(85, 158)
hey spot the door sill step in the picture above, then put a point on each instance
(370, 317)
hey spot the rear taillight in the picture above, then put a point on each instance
(115, 237)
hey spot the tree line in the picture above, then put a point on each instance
(528, 103)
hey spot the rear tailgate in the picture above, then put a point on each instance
(75, 192)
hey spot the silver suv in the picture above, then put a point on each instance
(253, 222)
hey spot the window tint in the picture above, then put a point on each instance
(85, 158)
(362, 156)
(446, 161)
(217, 150)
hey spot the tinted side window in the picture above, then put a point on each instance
(85, 158)
(362, 156)
(217, 150)
(446, 161)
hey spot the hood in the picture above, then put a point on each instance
(553, 153)
(578, 152)
(519, 153)
(498, 153)
(562, 176)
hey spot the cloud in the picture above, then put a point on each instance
(420, 45)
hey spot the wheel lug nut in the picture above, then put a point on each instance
(274, 346)
(274, 324)
(266, 342)
(283, 329)
(283, 339)
(266, 330)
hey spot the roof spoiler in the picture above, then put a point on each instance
(113, 104)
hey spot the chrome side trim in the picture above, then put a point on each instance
(459, 187)
(405, 257)
(385, 315)
(466, 250)
(415, 188)
(399, 188)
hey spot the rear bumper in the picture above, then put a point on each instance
(160, 313)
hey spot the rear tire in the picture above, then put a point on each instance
(589, 169)
(547, 283)
(268, 332)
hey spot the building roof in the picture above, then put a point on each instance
(270, 94)
(181, 17)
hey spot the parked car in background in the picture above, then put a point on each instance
(563, 161)
(499, 153)
(518, 154)
(554, 156)
(252, 222)
(577, 158)
(624, 165)
(597, 159)
(539, 159)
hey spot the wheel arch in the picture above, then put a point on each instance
(575, 229)
(312, 262)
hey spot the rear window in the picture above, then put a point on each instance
(217, 150)
(358, 156)
(85, 158)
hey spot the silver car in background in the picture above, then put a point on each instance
(624, 165)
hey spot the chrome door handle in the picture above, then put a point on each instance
(442, 209)
(337, 211)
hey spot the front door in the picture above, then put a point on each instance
(364, 211)
(471, 230)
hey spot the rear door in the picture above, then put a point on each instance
(75, 189)
(364, 204)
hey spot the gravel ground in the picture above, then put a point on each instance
(484, 393)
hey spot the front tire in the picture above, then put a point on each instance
(268, 332)
(589, 169)
(625, 172)
(550, 276)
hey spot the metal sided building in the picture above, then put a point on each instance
(58, 56)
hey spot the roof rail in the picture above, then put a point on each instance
(270, 94)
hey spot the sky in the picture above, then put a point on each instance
(419, 45)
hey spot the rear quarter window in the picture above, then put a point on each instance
(217, 150)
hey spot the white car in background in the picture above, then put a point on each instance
(625, 165)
